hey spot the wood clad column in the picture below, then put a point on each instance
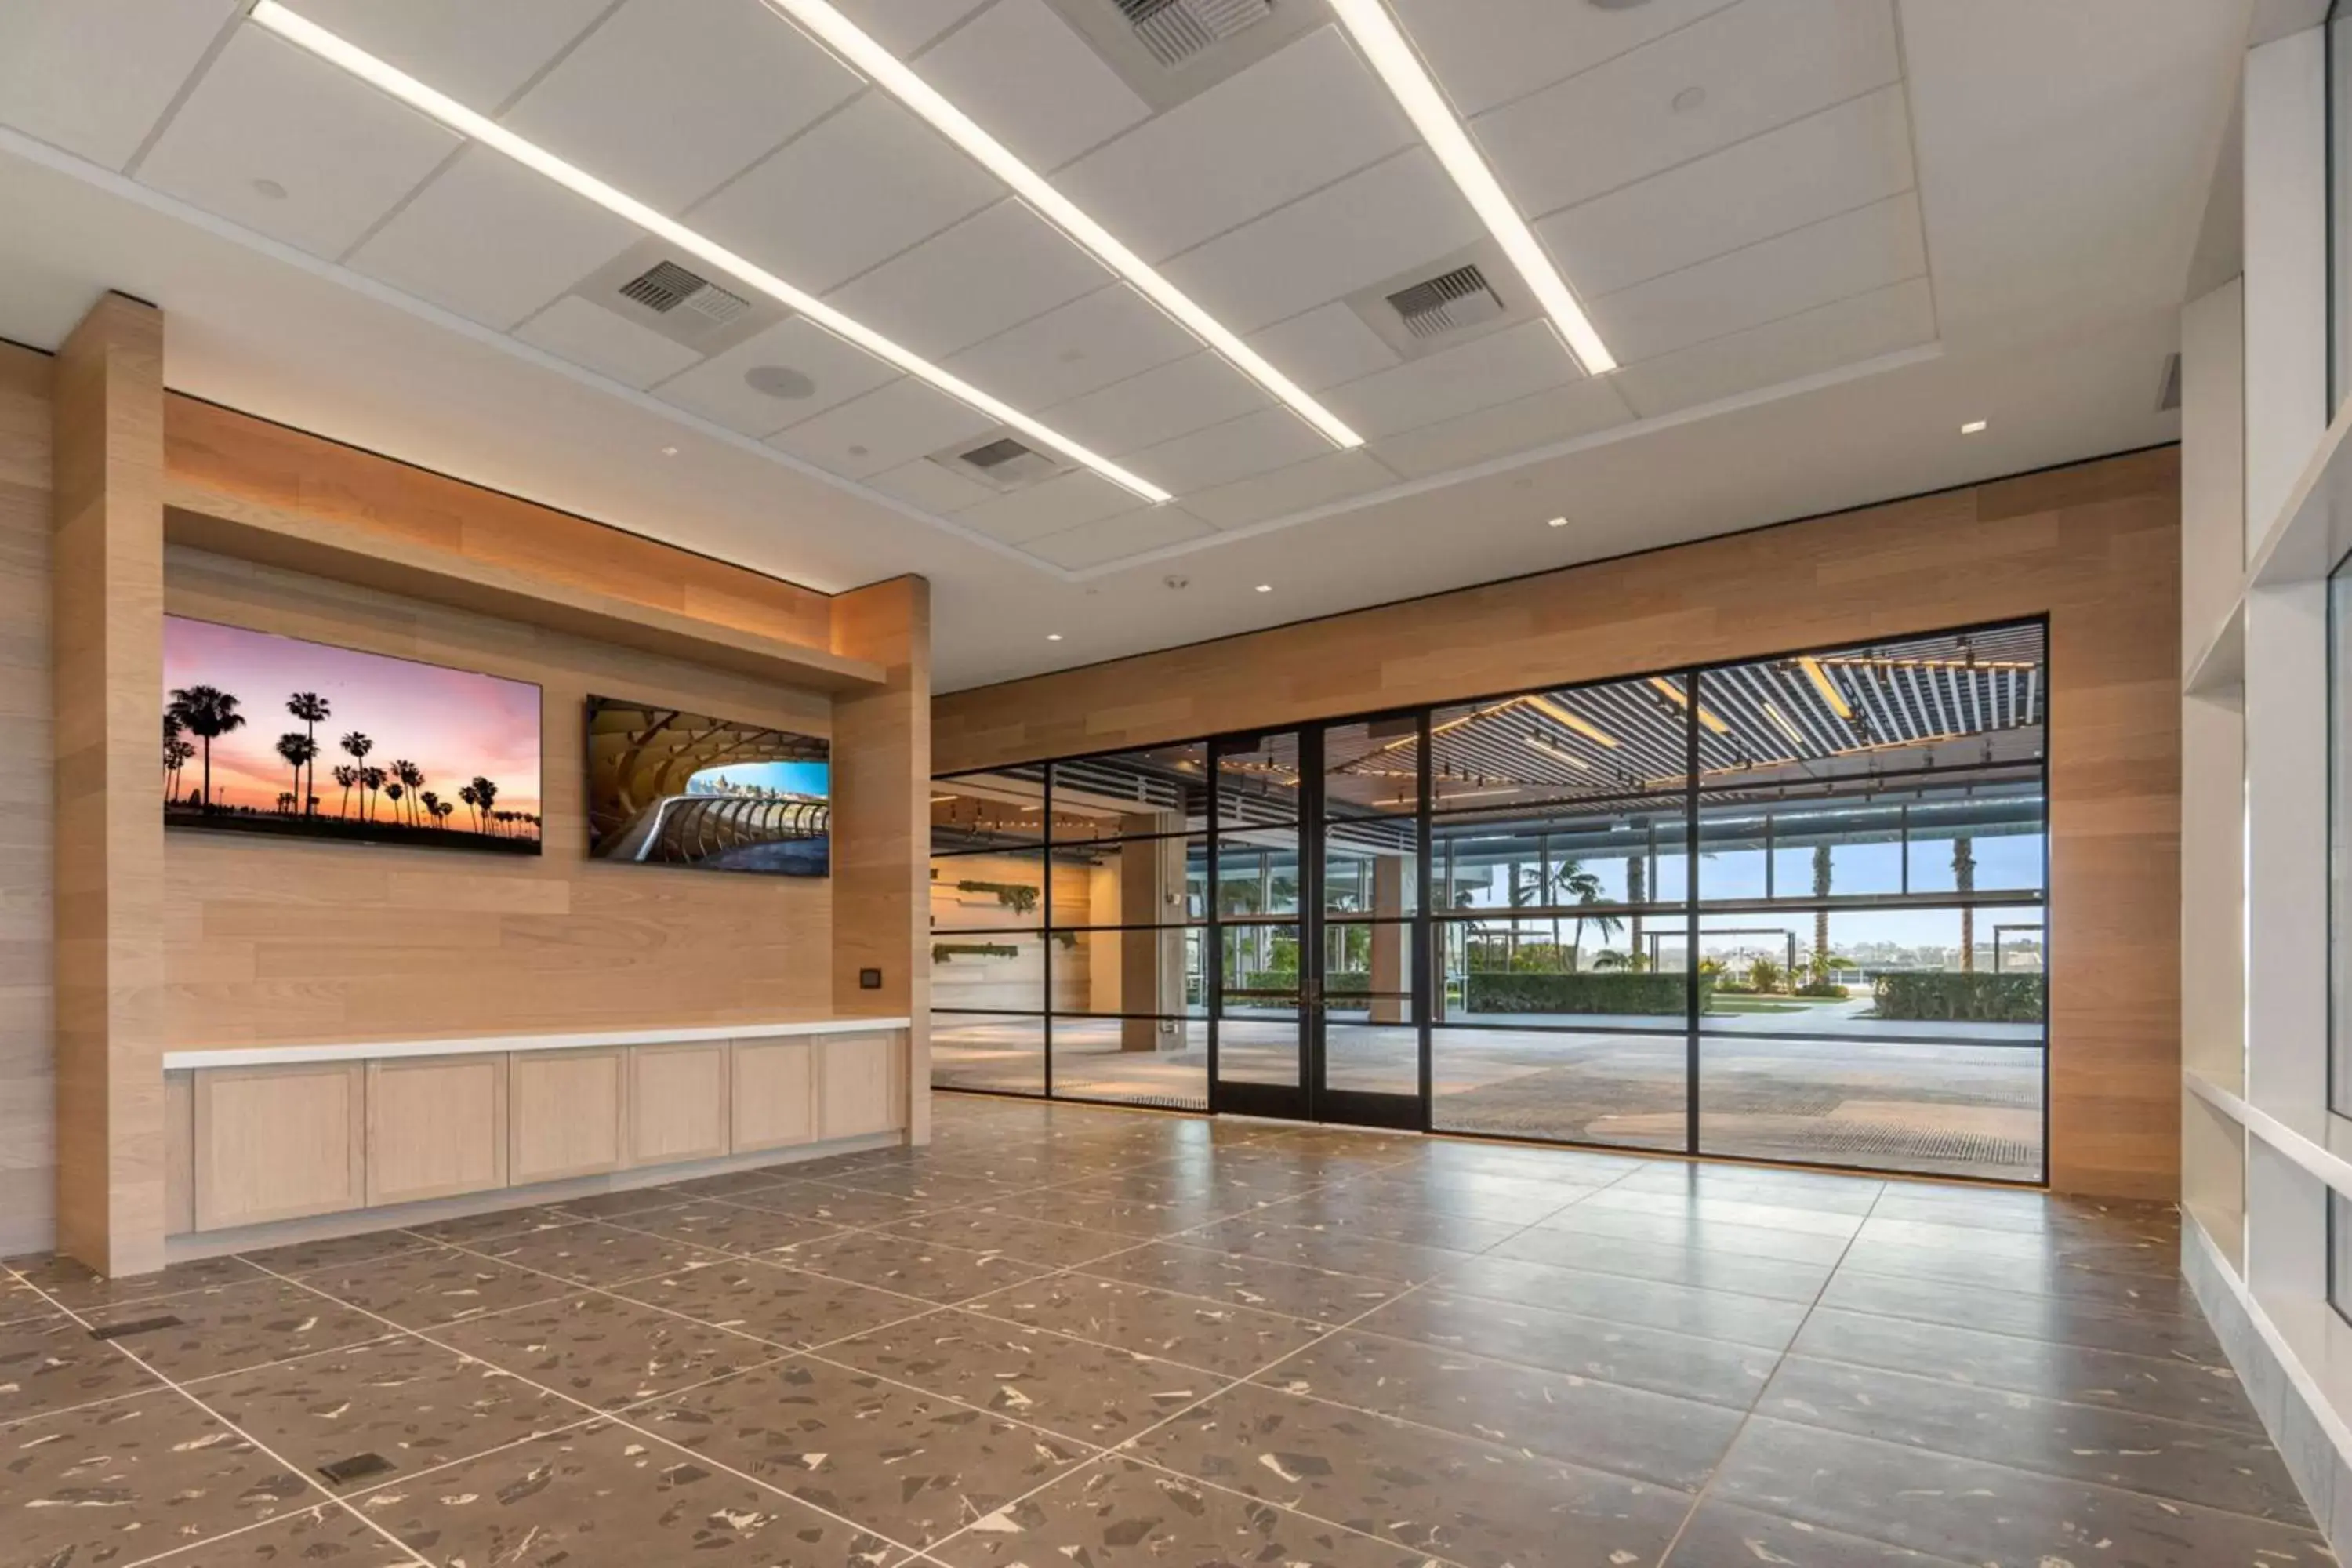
(881, 822)
(107, 640)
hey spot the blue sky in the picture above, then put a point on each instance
(798, 778)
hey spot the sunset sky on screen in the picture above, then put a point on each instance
(452, 723)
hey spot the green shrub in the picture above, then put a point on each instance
(1829, 988)
(1613, 990)
(1961, 997)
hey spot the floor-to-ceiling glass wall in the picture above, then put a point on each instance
(1792, 908)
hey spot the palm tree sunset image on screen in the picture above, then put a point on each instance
(249, 716)
(670, 788)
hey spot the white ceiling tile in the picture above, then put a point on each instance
(721, 387)
(1851, 254)
(1189, 395)
(491, 240)
(54, 52)
(664, 100)
(1367, 228)
(1294, 121)
(855, 188)
(1862, 327)
(1333, 477)
(1253, 443)
(987, 273)
(1826, 163)
(343, 152)
(1494, 50)
(1562, 414)
(925, 484)
(1061, 503)
(479, 55)
(1324, 347)
(904, 26)
(893, 424)
(1115, 539)
(1027, 78)
(591, 336)
(1759, 64)
(1479, 374)
(1106, 336)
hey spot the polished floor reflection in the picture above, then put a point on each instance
(1063, 1335)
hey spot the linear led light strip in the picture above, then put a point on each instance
(1384, 46)
(308, 35)
(886, 71)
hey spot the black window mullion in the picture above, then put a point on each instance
(1046, 927)
(1691, 891)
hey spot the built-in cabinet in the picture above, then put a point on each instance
(257, 1143)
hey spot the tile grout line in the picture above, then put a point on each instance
(207, 1410)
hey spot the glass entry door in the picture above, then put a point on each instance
(1319, 1002)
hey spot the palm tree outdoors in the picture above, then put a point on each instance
(1822, 871)
(347, 775)
(412, 779)
(1964, 880)
(310, 707)
(208, 712)
(1580, 884)
(298, 749)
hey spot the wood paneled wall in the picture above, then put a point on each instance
(239, 454)
(286, 942)
(28, 1160)
(107, 648)
(882, 823)
(2096, 547)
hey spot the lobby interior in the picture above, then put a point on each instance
(1191, 784)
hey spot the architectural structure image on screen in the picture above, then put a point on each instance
(671, 788)
(276, 735)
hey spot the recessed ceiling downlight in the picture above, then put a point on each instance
(440, 106)
(780, 381)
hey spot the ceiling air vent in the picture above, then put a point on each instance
(1448, 303)
(1176, 30)
(1002, 462)
(666, 286)
(2167, 396)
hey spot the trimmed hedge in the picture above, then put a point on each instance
(1961, 997)
(1610, 991)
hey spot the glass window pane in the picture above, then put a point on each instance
(1972, 972)
(977, 1050)
(1161, 789)
(1257, 872)
(1988, 840)
(1000, 809)
(1516, 971)
(1154, 970)
(1370, 1036)
(1886, 1103)
(1257, 781)
(1626, 1088)
(2339, 829)
(989, 971)
(1144, 1061)
(1261, 969)
(1131, 881)
(1000, 891)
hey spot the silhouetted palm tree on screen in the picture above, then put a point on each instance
(298, 750)
(208, 712)
(310, 707)
(347, 775)
(486, 793)
(412, 779)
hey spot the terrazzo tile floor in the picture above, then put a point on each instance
(1063, 1337)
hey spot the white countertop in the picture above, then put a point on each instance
(381, 1050)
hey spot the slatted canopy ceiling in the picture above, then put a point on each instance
(1953, 701)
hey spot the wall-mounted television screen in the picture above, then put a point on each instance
(670, 788)
(272, 734)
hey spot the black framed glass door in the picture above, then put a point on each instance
(1320, 1007)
